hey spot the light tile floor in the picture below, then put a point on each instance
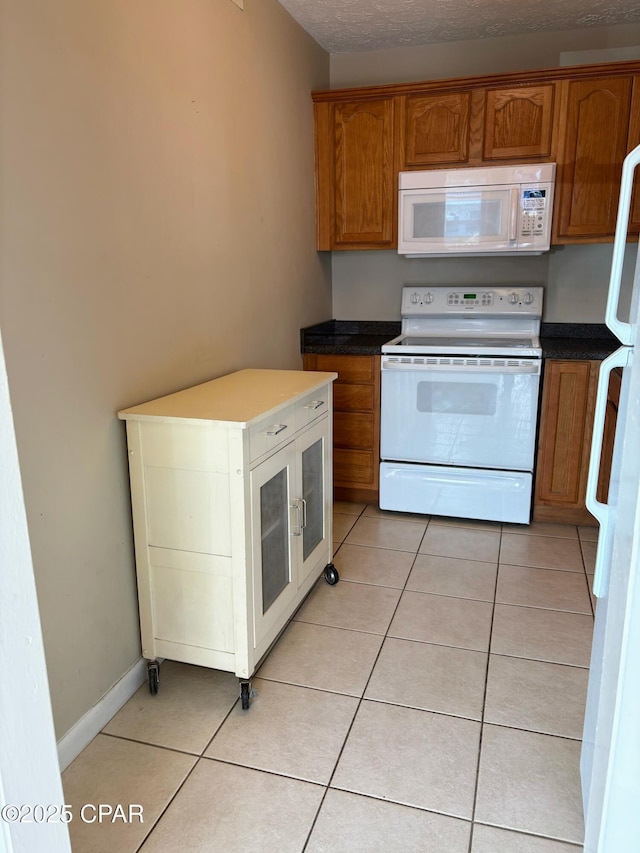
(432, 701)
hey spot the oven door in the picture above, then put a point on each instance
(467, 412)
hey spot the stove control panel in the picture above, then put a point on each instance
(470, 299)
(444, 300)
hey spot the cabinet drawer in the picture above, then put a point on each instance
(272, 432)
(313, 406)
(350, 368)
(353, 429)
(353, 467)
(353, 398)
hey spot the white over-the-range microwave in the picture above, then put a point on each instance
(492, 210)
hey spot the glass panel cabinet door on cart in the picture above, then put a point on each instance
(314, 485)
(273, 510)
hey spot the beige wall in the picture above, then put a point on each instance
(157, 227)
(367, 285)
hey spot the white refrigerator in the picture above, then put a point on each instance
(610, 761)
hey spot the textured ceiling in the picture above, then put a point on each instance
(345, 26)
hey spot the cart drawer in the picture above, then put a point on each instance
(312, 407)
(267, 434)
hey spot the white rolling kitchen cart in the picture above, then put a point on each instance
(231, 492)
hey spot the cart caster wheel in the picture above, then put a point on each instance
(153, 676)
(331, 575)
(245, 693)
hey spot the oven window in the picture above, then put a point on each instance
(459, 398)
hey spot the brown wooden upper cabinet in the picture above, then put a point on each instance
(436, 129)
(478, 126)
(519, 123)
(634, 140)
(584, 118)
(596, 118)
(356, 181)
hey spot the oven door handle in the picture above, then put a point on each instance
(502, 369)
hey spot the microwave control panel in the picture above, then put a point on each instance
(535, 211)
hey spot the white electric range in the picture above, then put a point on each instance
(459, 402)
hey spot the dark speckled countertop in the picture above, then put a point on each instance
(577, 340)
(348, 337)
(366, 337)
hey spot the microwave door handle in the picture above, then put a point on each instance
(513, 214)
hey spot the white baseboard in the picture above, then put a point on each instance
(88, 726)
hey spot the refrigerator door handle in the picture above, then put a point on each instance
(600, 510)
(623, 331)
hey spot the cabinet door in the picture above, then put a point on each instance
(314, 486)
(568, 398)
(518, 122)
(608, 437)
(365, 191)
(633, 141)
(272, 505)
(436, 128)
(596, 125)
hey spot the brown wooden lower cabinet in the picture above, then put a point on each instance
(564, 444)
(610, 421)
(356, 423)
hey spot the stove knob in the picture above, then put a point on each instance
(415, 298)
(429, 298)
(528, 298)
(513, 298)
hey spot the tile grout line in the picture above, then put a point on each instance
(485, 600)
(188, 776)
(326, 787)
(361, 698)
(586, 574)
(364, 689)
(164, 810)
(484, 698)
